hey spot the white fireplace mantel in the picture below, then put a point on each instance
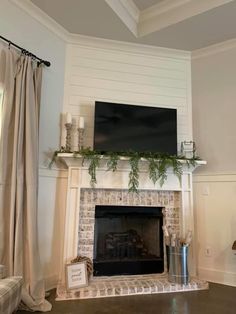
(71, 160)
(79, 178)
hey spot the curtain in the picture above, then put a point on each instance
(20, 80)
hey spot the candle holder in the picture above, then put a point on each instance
(188, 149)
(80, 138)
(68, 136)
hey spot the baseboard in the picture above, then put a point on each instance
(217, 276)
(51, 282)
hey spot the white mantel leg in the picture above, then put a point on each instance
(71, 219)
(187, 219)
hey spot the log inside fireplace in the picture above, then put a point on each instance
(128, 240)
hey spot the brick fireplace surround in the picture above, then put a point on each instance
(174, 196)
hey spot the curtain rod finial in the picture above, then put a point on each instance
(47, 63)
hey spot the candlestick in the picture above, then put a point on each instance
(68, 136)
(68, 118)
(81, 122)
(80, 138)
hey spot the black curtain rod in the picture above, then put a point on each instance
(26, 52)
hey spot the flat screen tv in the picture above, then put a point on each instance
(122, 127)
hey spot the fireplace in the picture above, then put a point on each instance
(82, 228)
(128, 240)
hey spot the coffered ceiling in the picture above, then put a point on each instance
(144, 4)
(179, 24)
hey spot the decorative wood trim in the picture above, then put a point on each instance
(217, 276)
(214, 49)
(139, 49)
(53, 173)
(189, 102)
(127, 12)
(214, 177)
(171, 12)
(161, 8)
(132, 8)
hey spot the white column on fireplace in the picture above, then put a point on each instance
(79, 178)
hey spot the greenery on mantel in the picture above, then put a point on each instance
(157, 164)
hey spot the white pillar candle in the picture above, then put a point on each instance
(81, 122)
(68, 118)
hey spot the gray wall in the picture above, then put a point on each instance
(214, 110)
(214, 130)
(24, 30)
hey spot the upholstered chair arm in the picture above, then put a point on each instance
(2, 272)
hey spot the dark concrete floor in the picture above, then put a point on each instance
(219, 299)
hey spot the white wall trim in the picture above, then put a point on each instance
(53, 173)
(170, 12)
(161, 8)
(132, 8)
(214, 49)
(214, 177)
(189, 102)
(217, 276)
(95, 42)
(127, 12)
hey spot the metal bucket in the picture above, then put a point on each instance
(177, 264)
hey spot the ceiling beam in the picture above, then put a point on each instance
(128, 12)
(169, 12)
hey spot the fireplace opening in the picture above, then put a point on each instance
(128, 240)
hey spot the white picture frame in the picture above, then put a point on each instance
(76, 275)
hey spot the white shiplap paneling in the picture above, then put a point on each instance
(121, 76)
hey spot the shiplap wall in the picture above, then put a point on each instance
(129, 77)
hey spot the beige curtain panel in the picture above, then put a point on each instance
(20, 81)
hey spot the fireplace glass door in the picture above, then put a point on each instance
(128, 240)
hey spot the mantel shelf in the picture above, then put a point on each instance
(76, 161)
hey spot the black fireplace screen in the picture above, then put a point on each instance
(128, 240)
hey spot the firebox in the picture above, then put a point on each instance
(128, 240)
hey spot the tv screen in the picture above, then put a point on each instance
(121, 127)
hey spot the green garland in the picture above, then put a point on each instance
(93, 164)
(134, 172)
(157, 164)
(112, 161)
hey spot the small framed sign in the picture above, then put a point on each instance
(76, 275)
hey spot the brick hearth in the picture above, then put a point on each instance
(128, 285)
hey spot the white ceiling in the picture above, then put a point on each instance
(98, 19)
